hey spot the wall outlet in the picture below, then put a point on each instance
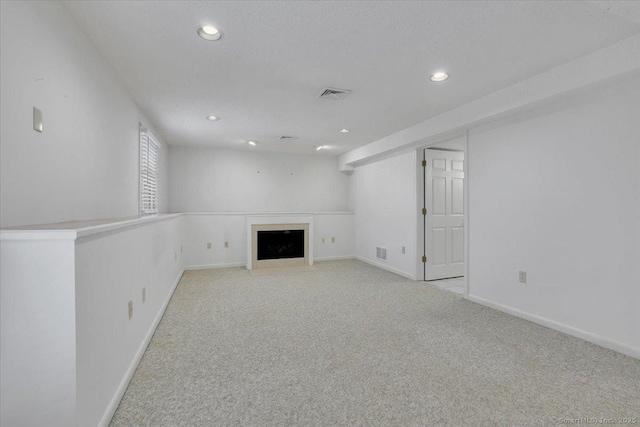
(144, 294)
(323, 240)
(209, 245)
(130, 309)
(37, 119)
(226, 245)
(403, 250)
(333, 240)
(522, 276)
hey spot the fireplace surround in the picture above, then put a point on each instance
(279, 241)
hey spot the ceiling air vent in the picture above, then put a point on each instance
(333, 93)
(288, 138)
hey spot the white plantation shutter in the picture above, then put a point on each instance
(149, 151)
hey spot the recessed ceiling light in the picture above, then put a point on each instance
(253, 142)
(440, 76)
(210, 33)
(213, 118)
(209, 30)
(344, 131)
(319, 147)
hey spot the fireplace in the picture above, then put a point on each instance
(274, 242)
(279, 244)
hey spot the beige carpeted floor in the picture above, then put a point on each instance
(354, 345)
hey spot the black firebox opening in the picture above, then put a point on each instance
(280, 244)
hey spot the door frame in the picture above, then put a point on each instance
(420, 203)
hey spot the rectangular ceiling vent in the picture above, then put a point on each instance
(381, 253)
(288, 138)
(333, 93)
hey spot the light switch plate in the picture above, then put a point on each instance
(37, 120)
(522, 276)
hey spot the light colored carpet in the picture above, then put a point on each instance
(351, 344)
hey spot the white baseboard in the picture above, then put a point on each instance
(333, 258)
(208, 266)
(242, 264)
(113, 405)
(569, 330)
(386, 267)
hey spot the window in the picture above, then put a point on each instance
(149, 151)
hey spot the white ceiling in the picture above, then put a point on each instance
(264, 76)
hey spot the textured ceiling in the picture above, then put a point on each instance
(264, 76)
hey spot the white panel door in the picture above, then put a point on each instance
(444, 221)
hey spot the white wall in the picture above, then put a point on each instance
(85, 163)
(68, 346)
(556, 193)
(109, 344)
(37, 333)
(328, 226)
(383, 197)
(213, 180)
(202, 228)
(215, 229)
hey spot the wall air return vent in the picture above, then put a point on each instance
(381, 253)
(333, 93)
(288, 138)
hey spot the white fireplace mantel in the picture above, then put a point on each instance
(278, 219)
